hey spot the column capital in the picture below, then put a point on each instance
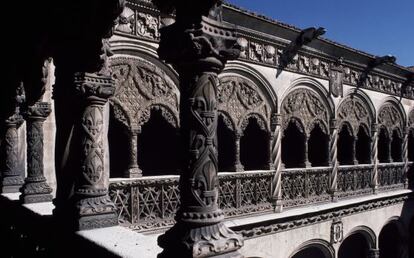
(334, 123)
(92, 85)
(275, 120)
(38, 111)
(374, 127)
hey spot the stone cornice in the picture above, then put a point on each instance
(265, 47)
(268, 227)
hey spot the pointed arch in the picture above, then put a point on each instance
(356, 108)
(306, 101)
(391, 115)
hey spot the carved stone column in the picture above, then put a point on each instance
(92, 206)
(198, 48)
(333, 158)
(270, 165)
(405, 155)
(354, 160)
(373, 253)
(133, 169)
(374, 153)
(35, 188)
(306, 162)
(11, 176)
(389, 156)
(238, 167)
(276, 156)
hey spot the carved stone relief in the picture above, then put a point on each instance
(355, 112)
(126, 21)
(140, 87)
(305, 106)
(241, 99)
(390, 117)
(140, 24)
(411, 119)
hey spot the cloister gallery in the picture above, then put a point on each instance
(141, 128)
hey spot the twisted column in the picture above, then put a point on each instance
(133, 170)
(35, 188)
(373, 253)
(238, 167)
(333, 156)
(374, 153)
(276, 157)
(11, 176)
(405, 155)
(306, 162)
(354, 160)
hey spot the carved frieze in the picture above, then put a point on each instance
(354, 111)
(140, 87)
(306, 106)
(390, 117)
(141, 24)
(337, 74)
(240, 99)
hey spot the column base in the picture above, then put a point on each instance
(334, 197)
(36, 198)
(11, 184)
(186, 241)
(133, 173)
(36, 190)
(238, 168)
(278, 206)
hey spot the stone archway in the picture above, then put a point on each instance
(314, 249)
(309, 108)
(358, 244)
(392, 240)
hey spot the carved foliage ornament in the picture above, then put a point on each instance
(307, 107)
(141, 86)
(242, 99)
(390, 117)
(355, 112)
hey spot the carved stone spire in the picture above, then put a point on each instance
(35, 188)
(198, 47)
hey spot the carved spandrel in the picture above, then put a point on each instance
(355, 112)
(305, 106)
(390, 117)
(141, 86)
(239, 97)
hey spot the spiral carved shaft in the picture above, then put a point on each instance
(405, 155)
(277, 162)
(374, 151)
(333, 155)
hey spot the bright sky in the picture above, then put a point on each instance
(378, 27)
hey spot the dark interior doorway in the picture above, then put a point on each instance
(345, 146)
(383, 146)
(354, 246)
(310, 252)
(293, 147)
(390, 242)
(226, 146)
(118, 143)
(254, 147)
(158, 146)
(363, 146)
(318, 147)
(411, 146)
(396, 146)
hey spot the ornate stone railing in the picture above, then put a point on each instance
(305, 186)
(151, 202)
(391, 176)
(354, 180)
